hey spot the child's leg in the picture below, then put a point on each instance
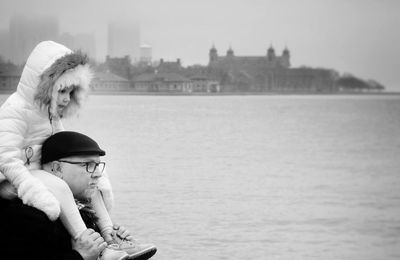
(69, 216)
(106, 226)
(104, 220)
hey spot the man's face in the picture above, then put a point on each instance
(82, 183)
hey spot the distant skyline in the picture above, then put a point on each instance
(351, 36)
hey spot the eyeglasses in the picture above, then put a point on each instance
(90, 166)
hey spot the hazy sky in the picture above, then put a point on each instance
(361, 37)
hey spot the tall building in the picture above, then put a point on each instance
(145, 54)
(123, 39)
(25, 33)
(82, 41)
(4, 45)
(67, 39)
(86, 43)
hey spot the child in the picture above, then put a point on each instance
(53, 85)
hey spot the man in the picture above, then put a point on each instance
(75, 158)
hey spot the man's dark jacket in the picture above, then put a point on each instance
(27, 233)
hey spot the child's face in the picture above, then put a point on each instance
(63, 98)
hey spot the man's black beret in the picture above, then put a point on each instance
(67, 143)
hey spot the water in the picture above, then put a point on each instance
(253, 177)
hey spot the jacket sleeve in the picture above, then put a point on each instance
(13, 128)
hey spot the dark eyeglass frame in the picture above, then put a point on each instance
(87, 165)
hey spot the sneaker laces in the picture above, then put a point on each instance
(121, 241)
(110, 246)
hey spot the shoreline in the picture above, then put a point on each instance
(132, 93)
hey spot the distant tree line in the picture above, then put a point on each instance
(350, 82)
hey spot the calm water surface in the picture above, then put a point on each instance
(253, 177)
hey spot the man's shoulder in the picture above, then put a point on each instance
(16, 211)
(20, 220)
(31, 228)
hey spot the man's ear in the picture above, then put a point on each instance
(56, 167)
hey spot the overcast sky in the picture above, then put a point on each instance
(361, 37)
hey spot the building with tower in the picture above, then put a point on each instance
(270, 60)
(267, 73)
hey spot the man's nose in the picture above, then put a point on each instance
(96, 174)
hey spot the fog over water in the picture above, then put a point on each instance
(359, 37)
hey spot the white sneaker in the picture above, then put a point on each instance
(113, 252)
(137, 251)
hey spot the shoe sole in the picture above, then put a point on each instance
(144, 255)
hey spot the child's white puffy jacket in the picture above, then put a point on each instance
(29, 116)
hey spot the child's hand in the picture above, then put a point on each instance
(89, 244)
(122, 233)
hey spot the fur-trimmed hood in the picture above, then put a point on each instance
(50, 68)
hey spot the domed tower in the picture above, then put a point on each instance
(271, 53)
(286, 58)
(213, 54)
(229, 53)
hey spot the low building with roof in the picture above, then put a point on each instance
(169, 66)
(204, 84)
(162, 82)
(109, 82)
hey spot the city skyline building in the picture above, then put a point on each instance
(123, 40)
(82, 41)
(4, 45)
(25, 33)
(67, 39)
(87, 43)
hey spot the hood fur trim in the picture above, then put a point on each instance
(70, 70)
